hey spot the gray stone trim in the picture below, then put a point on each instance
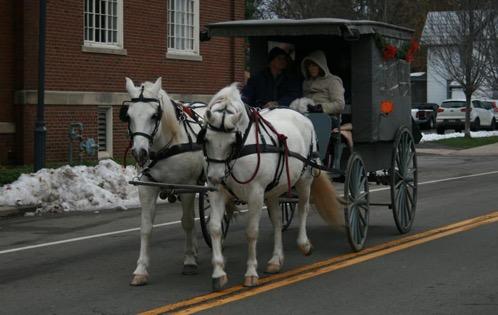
(7, 128)
(104, 50)
(30, 97)
(177, 56)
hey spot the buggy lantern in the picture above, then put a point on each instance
(386, 107)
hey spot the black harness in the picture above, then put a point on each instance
(167, 151)
(239, 148)
(124, 117)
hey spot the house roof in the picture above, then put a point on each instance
(440, 27)
(437, 27)
(319, 26)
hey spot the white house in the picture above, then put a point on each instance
(439, 86)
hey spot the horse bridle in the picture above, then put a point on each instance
(201, 139)
(124, 117)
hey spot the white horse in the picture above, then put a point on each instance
(228, 131)
(158, 125)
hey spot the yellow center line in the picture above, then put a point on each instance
(272, 282)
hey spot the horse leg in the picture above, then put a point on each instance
(275, 263)
(219, 277)
(190, 259)
(303, 188)
(148, 197)
(255, 204)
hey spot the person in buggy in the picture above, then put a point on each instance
(273, 86)
(323, 90)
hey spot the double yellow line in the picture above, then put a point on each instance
(272, 282)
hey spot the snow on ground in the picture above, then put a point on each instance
(477, 134)
(105, 186)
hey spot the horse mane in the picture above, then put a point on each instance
(228, 95)
(169, 123)
(168, 120)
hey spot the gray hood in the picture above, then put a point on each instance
(319, 58)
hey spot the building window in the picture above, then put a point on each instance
(183, 29)
(104, 131)
(103, 23)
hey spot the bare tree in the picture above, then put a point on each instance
(458, 44)
(492, 56)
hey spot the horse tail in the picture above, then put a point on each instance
(324, 197)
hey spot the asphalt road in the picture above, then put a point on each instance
(74, 268)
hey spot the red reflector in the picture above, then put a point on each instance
(440, 110)
(463, 110)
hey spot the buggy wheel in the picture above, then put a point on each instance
(357, 197)
(403, 175)
(205, 215)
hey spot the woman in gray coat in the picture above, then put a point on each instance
(325, 89)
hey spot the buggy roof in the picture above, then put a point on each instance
(319, 26)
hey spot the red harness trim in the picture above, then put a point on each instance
(188, 111)
(256, 118)
(281, 138)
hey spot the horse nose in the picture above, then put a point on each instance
(141, 156)
(214, 180)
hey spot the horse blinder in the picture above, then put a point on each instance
(201, 136)
(123, 113)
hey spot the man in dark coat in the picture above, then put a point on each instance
(273, 86)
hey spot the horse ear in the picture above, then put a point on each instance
(208, 115)
(157, 86)
(130, 87)
(236, 117)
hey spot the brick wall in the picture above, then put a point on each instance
(57, 119)
(145, 30)
(68, 68)
(7, 75)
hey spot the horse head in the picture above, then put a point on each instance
(223, 133)
(143, 114)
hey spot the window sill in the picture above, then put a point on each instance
(104, 155)
(179, 56)
(104, 50)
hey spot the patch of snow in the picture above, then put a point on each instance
(104, 186)
(426, 137)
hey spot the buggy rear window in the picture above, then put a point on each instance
(453, 104)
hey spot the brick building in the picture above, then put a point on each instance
(91, 46)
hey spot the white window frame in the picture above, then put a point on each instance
(107, 153)
(186, 54)
(107, 47)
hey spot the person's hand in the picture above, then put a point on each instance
(271, 105)
(315, 109)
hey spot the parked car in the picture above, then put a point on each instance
(424, 114)
(493, 106)
(451, 115)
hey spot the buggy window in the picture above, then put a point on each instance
(453, 104)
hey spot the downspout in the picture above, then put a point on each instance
(232, 43)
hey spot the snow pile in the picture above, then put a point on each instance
(477, 134)
(67, 188)
(104, 186)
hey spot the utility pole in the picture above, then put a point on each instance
(40, 130)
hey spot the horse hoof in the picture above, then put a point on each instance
(272, 268)
(307, 249)
(189, 270)
(250, 281)
(139, 280)
(219, 283)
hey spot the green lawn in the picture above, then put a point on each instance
(464, 143)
